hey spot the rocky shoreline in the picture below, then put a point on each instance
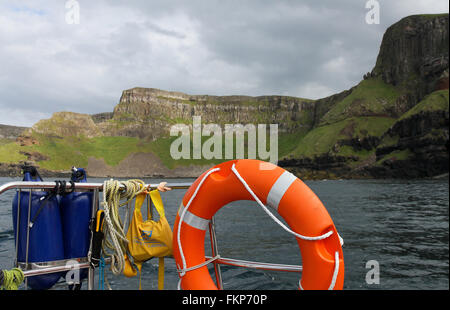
(303, 169)
(15, 171)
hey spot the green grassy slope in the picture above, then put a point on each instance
(322, 139)
(365, 113)
(371, 97)
(63, 153)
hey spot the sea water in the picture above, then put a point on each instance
(402, 226)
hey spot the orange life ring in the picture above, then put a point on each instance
(247, 179)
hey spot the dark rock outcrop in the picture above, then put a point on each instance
(425, 136)
(414, 54)
(102, 117)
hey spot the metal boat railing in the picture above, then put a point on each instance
(34, 269)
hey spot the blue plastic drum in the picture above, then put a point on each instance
(45, 238)
(76, 211)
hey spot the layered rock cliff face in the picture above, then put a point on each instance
(414, 55)
(148, 112)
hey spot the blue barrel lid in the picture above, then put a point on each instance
(31, 174)
(78, 175)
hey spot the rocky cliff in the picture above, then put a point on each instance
(414, 55)
(394, 123)
(149, 112)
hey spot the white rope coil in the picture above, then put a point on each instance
(115, 241)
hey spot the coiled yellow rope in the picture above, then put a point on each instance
(12, 279)
(115, 241)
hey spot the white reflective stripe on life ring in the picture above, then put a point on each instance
(279, 188)
(192, 219)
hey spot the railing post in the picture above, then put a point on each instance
(19, 193)
(214, 250)
(91, 271)
(28, 235)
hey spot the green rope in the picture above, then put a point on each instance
(12, 279)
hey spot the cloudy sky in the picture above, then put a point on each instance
(303, 48)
